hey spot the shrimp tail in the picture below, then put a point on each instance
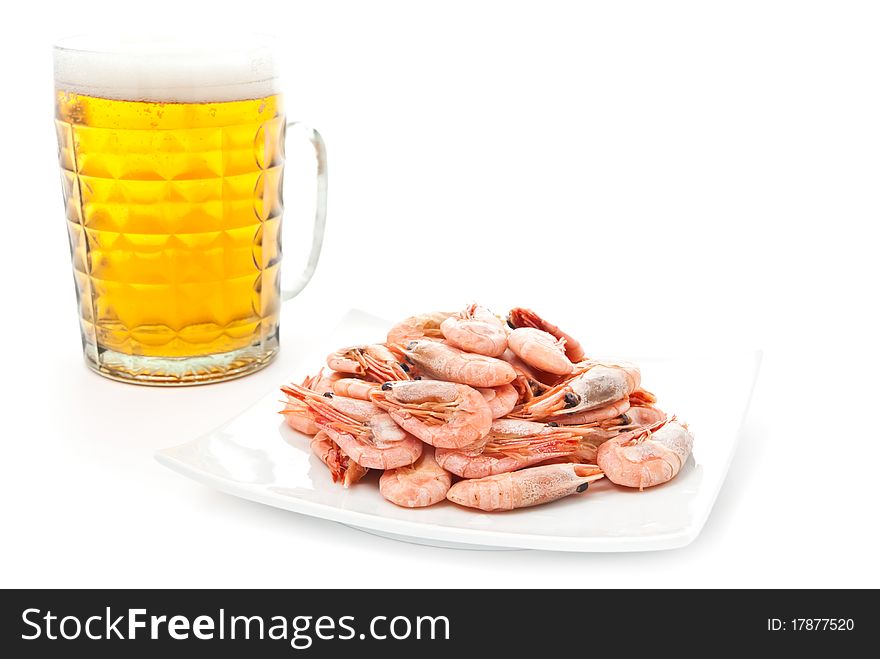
(642, 398)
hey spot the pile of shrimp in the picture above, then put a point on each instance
(487, 412)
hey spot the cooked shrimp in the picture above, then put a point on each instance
(527, 487)
(609, 411)
(476, 330)
(357, 409)
(520, 317)
(501, 400)
(541, 378)
(385, 430)
(512, 444)
(359, 417)
(541, 350)
(423, 483)
(589, 438)
(444, 362)
(593, 386)
(648, 456)
(422, 326)
(587, 450)
(373, 361)
(367, 454)
(343, 361)
(362, 431)
(529, 382)
(322, 382)
(443, 414)
(296, 413)
(642, 398)
(354, 388)
(645, 416)
(342, 468)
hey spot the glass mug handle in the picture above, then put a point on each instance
(320, 213)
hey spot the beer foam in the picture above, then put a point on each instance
(167, 70)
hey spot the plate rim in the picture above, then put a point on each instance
(426, 530)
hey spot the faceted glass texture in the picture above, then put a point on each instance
(174, 216)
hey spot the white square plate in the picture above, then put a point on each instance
(257, 457)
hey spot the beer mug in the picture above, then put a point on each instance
(172, 158)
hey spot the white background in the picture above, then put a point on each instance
(655, 177)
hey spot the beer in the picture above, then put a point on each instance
(171, 154)
(174, 212)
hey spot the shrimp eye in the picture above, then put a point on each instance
(552, 424)
(583, 487)
(418, 377)
(411, 345)
(386, 386)
(510, 323)
(405, 367)
(624, 420)
(571, 399)
(327, 394)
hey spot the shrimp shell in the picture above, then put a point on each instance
(356, 409)
(296, 413)
(321, 383)
(367, 454)
(646, 457)
(645, 416)
(444, 362)
(476, 330)
(521, 317)
(421, 326)
(360, 418)
(443, 414)
(385, 431)
(423, 483)
(603, 413)
(527, 487)
(642, 398)
(501, 400)
(540, 350)
(595, 385)
(354, 388)
(511, 444)
(589, 440)
(373, 361)
(342, 468)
